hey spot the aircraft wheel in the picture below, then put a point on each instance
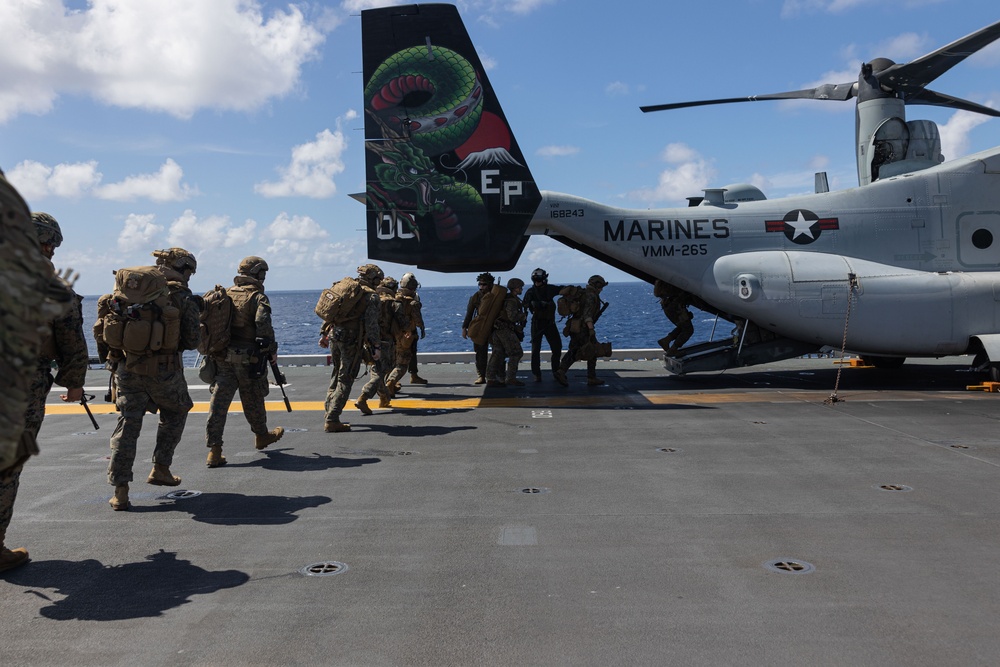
(991, 369)
(884, 363)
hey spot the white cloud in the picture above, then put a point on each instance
(313, 166)
(216, 231)
(35, 180)
(173, 56)
(138, 232)
(165, 185)
(616, 88)
(691, 174)
(557, 151)
(955, 133)
(300, 242)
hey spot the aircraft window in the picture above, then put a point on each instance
(982, 238)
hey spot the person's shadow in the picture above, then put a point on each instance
(278, 459)
(236, 509)
(97, 592)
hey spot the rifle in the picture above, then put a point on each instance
(279, 379)
(83, 402)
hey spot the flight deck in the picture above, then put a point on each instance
(769, 515)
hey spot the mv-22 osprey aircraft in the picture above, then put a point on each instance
(907, 264)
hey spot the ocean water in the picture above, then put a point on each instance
(633, 320)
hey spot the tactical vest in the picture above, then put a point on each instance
(243, 330)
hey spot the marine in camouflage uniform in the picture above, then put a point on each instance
(379, 369)
(406, 313)
(508, 332)
(346, 339)
(538, 300)
(241, 367)
(582, 339)
(157, 384)
(485, 281)
(31, 297)
(409, 281)
(674, 303)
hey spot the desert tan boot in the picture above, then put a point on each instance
(362, 404)
(336, 427)
(262, 440)
(215, 457)
(416, 379)
(119, 501)
(11, 558)
(160, 476)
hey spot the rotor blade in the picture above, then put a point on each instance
(914, 75)
(931, 98)
(828, 91)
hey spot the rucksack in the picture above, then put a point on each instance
(570, 300)
(216, 321)
(481, 325)
(339, 302)
(138, 318)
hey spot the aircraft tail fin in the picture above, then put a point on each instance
(447, 186)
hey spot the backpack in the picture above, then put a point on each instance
(216, 320)
(481, 325)
(570, 300)
(338, 303)
(138, 318)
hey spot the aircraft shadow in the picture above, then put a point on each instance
(98, 592)
(278, 459)
(236, 509)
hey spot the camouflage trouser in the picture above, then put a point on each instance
(576, 342)
(378, 371)
(505, 344)
(229, 378)
(342, 379)
(681, 318)
(10, 479)
(402, 363)
(165, 391)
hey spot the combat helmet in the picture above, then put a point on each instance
(486, 279)
(539, 276)
(597, 282)
(178, 259)
(388, 286)
(514, 283)
(252, 266)
(370, 275)
(47, 228)
(409, 281)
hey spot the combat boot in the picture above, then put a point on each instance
(262, 440)
(215, 457)
(160, 476)
(336, 427)
(384, 401)
(514, 382)
(664, 343)
(493, 382)
(11, 558)
(416, 379)
(480, 380)
(560, 376)
(362, 405)
(119, 501)
(594, 381)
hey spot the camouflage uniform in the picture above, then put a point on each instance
(346, 340)
(508, 332)
(485, 281)
(379, 368)
(251, 321)
(406, 313)
(409, 281)
(31, 296)
(159, 386)
(582, 338)
(674, 303)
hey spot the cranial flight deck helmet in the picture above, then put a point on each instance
(539, 276)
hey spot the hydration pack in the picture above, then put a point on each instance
(138, 318)
(216, 321)
(339, 303)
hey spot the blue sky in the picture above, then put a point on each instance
(232, 127)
